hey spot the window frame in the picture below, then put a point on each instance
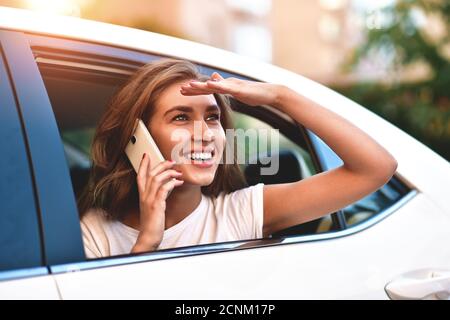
(60, 245)
(121, 56)
(27, 253)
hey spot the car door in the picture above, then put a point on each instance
(85, 62)
(23, 274)
(346, 261)
(404, 257)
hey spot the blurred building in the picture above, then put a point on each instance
(241, 26)
(309, 37)
(312, 38)
(303, 36)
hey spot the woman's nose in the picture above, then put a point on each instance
(202, 131)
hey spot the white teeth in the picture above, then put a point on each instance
(201, 155)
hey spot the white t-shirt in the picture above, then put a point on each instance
(229, 217)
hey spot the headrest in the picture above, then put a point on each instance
(289, 168)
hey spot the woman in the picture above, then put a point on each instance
(180, 203)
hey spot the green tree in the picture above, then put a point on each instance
(421, 107)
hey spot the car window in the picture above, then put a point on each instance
(79, 95)
(20, 245)
(369, 206)
(78, 98)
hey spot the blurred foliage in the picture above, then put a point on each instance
(421, 107)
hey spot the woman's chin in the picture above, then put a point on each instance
(199, 178)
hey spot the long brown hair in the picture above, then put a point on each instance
(112, 182)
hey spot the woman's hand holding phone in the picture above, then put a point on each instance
(154, 186)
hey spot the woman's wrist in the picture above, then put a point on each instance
(280, 93)
(145, 242)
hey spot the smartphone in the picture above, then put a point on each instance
(142, 142)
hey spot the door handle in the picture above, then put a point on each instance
(429, 284)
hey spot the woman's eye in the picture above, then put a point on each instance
(180, 117)
(214, 117)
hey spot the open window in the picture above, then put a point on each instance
(80, 86)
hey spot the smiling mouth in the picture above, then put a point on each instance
(200, 156)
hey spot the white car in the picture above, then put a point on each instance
(57, 73)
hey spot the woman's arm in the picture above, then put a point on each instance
(359, 152)
(367, 165)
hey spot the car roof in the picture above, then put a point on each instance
(416, 163)
(110, 34)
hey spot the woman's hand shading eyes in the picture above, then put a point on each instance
(249, 92)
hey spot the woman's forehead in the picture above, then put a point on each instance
(172, 97)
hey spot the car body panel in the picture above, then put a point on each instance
(41, 287)
(351, 267)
